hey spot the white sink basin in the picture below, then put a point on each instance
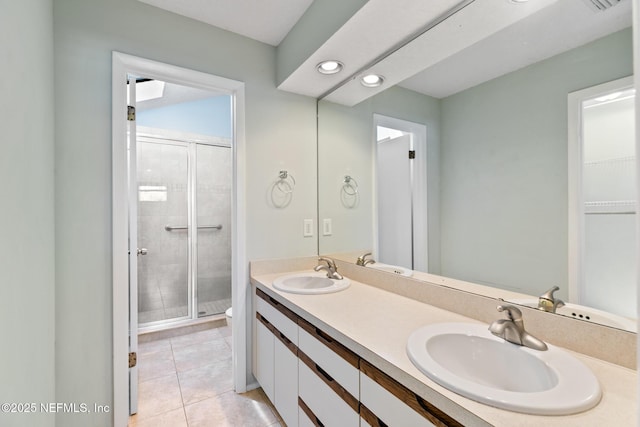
(310, 283)
(586, 313)
(467, 359)
(391, 269)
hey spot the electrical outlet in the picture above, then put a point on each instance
(308, 228)
(327, 227)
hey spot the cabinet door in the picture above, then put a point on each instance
(286, 382)
(264, 358)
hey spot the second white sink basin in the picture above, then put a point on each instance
(310, 283)
(467, 359)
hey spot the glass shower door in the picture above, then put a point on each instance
(213, 216)
(163, 214)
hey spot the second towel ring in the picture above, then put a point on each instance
(350, 185)
(286, 182)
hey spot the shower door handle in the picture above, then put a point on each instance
(142, 251)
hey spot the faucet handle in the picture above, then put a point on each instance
(330, 263)
(513, 313)
(549, 294)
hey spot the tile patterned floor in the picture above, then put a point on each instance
(186, 381)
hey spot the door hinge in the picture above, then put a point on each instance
(412, 154)
(133, 359)
(131, 113)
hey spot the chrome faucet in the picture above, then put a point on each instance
(512, 329)
(362, 260)
(547, 302)
(330, 268)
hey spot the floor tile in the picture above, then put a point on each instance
(154, 365)
(175, 418)
(231, 410)
(187, 381)
(229, 341)
(145, 348)
(198, 355)
(196, 338)
(158, 396)
(225, 331)
(208, 381)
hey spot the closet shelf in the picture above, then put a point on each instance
(604, 207)
(612, 162)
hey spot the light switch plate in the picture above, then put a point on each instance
(308, 228)
(327, 227)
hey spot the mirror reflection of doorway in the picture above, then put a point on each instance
(401, 224)
(604, 210)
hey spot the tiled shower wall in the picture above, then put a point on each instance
(163, 285)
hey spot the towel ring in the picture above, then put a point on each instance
(350, 185)
(286, 182)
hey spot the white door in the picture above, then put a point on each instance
(134, 251)
(395, 229)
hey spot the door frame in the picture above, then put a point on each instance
(419, 194)
(123, 64)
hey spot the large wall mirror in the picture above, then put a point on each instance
(494, 177)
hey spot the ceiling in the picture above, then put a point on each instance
(479, 40)
(267, 21)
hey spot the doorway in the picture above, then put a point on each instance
(401, 193)
(174, 234)
(183, 205)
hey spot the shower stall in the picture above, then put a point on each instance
(184, 181)
(184, 212)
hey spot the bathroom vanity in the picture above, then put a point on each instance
(340, 358)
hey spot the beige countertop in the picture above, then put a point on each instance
(376, 324)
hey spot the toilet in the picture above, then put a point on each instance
(228, 315)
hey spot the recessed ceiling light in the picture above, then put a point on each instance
(518, 1)
(330, 67)
(371, 80)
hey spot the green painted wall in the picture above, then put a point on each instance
(27, 278)
(504, 169)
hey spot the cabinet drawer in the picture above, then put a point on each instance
(335, 359)
(330, 408)
(283, 319)
(384, 399)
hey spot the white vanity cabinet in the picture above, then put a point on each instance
(277, 356)
(328, 380)
(314, 380)
(386, 402)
